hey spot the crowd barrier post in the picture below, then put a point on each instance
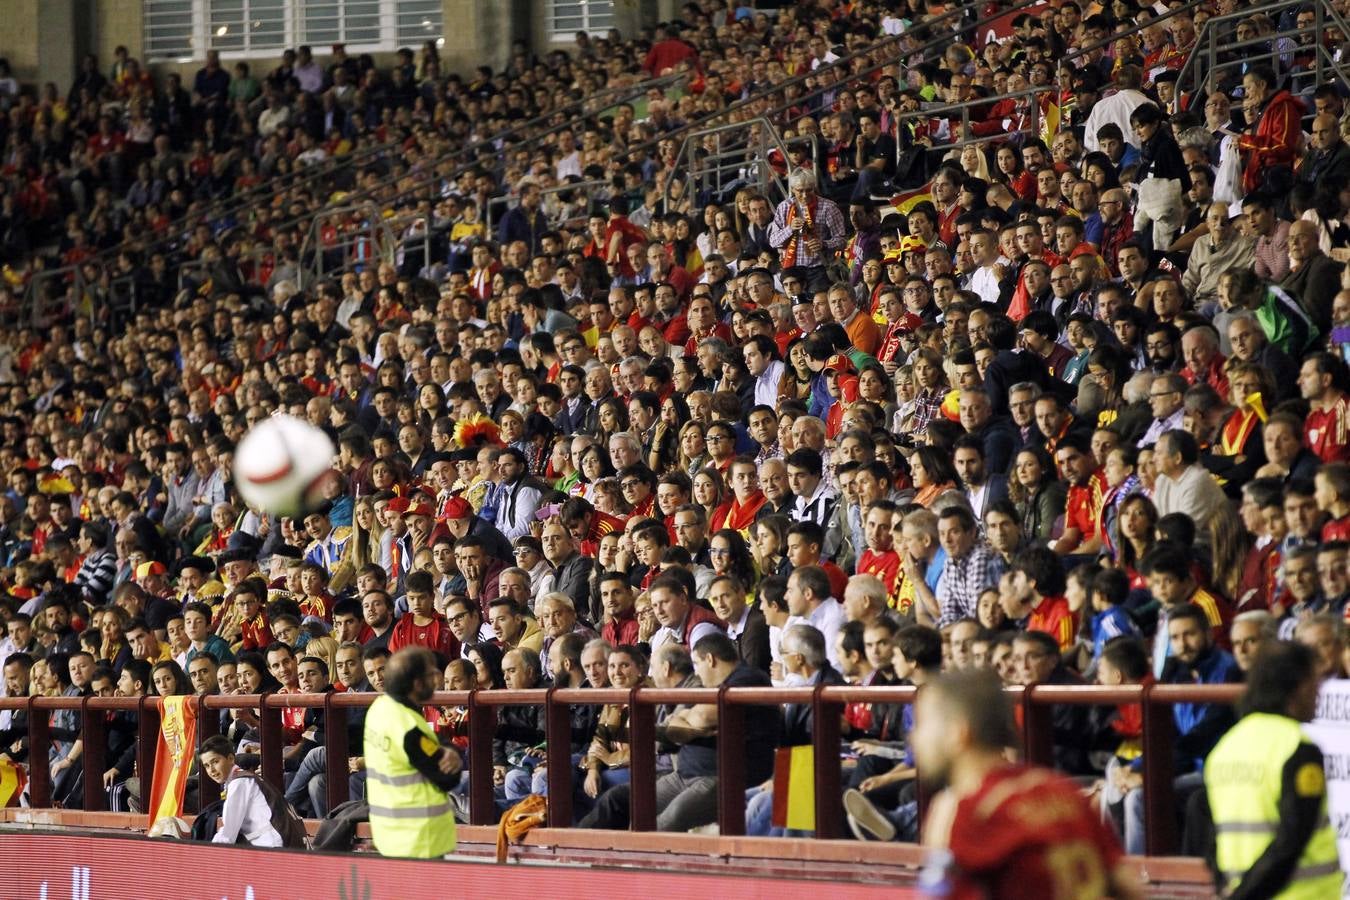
(825, 726)
(272, 740)
(558, 758)
(94, 732)
(730, 765)
(1160, 812)
(482, 728)
(642, 764)
(336, 750)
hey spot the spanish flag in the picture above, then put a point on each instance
(173, 756)
(794, 788)
(13, 780)
(904, 201)
(1050, 119)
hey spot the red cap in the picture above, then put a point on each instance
(839, 362)
(457, 508)
(153, 567)
(398, 505)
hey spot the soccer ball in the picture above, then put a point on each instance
(281, 465)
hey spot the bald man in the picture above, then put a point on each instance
(1328, 157)
(1314, 278)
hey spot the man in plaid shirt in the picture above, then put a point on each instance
(971, 566)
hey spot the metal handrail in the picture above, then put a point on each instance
(1188, 6)
(751, 101)
(492, 220)
(754, 155)
(937, 43)
(430, 175)
(1208, 39)
(375, 225)
(319, 173)
(827, 702)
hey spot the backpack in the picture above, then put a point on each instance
(337, 831)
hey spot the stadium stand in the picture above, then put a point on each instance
(832, 348)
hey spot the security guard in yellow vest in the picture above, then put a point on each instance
(1267, 791)
(408, 772)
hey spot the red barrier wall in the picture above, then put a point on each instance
(60, 866)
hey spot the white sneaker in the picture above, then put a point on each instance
(865, 820)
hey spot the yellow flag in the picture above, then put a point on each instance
(1050, 122)
(13, 780)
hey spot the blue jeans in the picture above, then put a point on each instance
(759, 816)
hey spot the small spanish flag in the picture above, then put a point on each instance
(794, 788)
(904, 201)
(13, 781)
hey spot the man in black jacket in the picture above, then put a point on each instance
(687, 797)
(745, 624)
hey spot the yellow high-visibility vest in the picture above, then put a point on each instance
(1244, 780)
(409, 816)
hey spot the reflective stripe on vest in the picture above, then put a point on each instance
(411, 812)
(395, 780)
(1302, 873)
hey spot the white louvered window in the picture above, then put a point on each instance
(186, 29)
(246, 26)
(416, 21)
(567, 17)
(169, 29)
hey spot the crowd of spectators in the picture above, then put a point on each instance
(1078, 414)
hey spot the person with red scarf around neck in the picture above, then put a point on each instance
(739, 512)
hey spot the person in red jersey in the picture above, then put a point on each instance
(1033, 589)
(1001, 829)
(1332, 484)
(1322, 381)
(422, 625)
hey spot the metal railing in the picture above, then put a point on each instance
(498, 206)
(739, 155)
(1036, 705)
(1221, 52)
(556, 120)
(370, 242)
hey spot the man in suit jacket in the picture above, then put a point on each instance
(1314, 278)
(982, 488)
(745, 625)
(756, 237)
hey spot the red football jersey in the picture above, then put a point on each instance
(1029, 832)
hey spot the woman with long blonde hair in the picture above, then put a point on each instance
(363, 547)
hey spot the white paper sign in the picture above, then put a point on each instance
(1330, 731)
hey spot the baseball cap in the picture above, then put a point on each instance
(839, 362)
(457, 508)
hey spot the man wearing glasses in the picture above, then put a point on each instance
(1166, 398)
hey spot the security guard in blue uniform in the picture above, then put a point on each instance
(1267, 791)
(408, 772)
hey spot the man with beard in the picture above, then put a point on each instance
(1162, 346)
